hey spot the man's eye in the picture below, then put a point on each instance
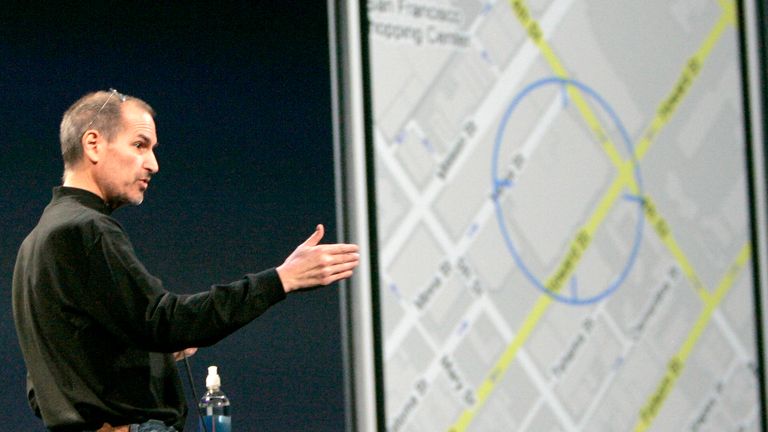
(138, 144)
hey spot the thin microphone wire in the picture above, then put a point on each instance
(194, 393)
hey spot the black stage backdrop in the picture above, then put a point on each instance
(242, 94)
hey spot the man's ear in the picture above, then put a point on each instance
(91, 142)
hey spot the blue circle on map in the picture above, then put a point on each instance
(498, 184)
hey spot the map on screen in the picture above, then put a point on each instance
(562, 212)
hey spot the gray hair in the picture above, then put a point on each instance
(98, 110)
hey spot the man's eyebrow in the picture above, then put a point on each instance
(146, 139)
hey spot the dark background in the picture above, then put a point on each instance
(242, 93)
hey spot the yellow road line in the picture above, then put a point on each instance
(729, 9)
(664, 113)
(498, 371)
(585, 235)
(662, 229)
(554, 283)
(684, 82)
(655, 402)
(537, 36)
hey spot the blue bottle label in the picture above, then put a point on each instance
(218, 423)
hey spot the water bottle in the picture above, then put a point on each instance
(214, 405)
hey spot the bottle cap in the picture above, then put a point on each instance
(213, 381)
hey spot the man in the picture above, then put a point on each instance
(97, 331)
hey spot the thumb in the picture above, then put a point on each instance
(316, 236)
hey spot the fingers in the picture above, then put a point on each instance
(337, 248)
(335, 273)
(325, 259)
(336, 268)
(312, 264)
(340, 263)
(315, 268)
(342, 259)
(316, 236)
(336, 277)
(314, 240)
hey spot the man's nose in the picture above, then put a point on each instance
(150, 162)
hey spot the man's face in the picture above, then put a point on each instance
(127, 163)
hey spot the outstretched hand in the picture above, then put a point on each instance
(313, 264)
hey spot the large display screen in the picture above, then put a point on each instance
(559, 199)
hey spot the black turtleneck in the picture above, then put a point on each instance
(96, 329)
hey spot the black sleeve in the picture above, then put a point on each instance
(134, 306)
